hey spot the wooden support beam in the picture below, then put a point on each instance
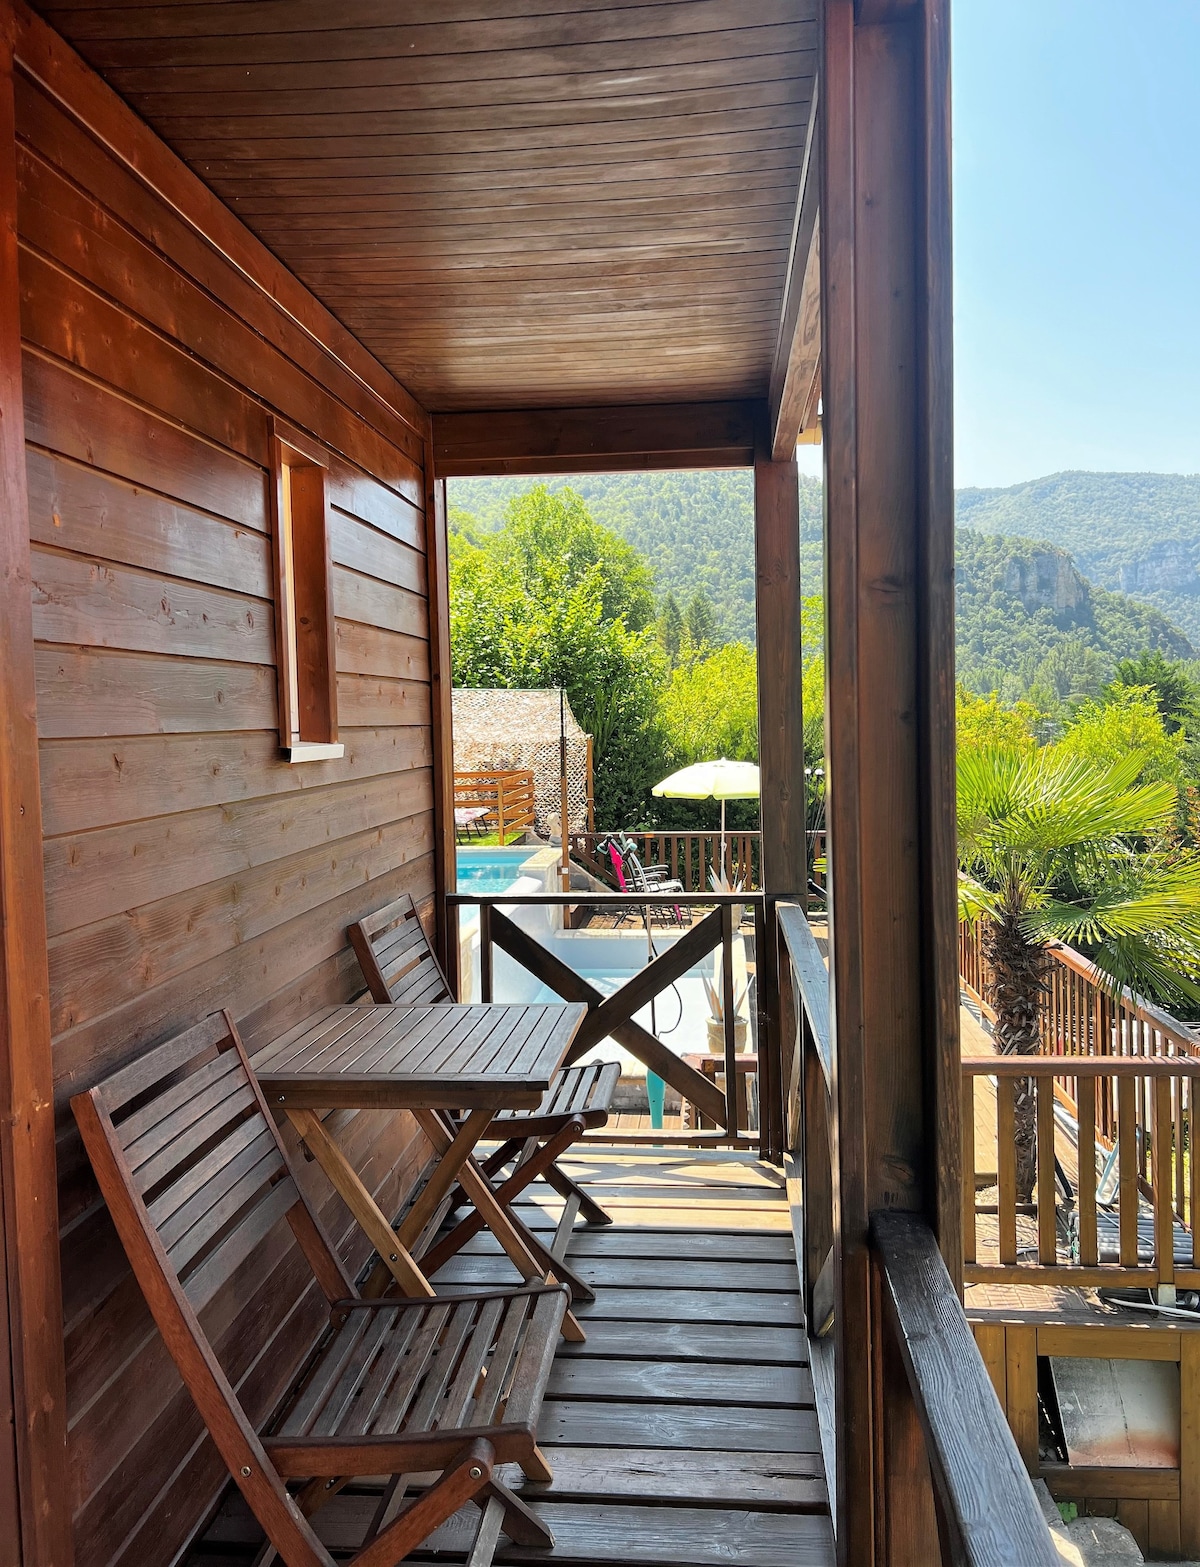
(35, 1520)
(780, 675)
(594, 440)
(437, 577)
(885, 371)
(796, 369)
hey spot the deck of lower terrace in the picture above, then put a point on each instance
(683, 1432)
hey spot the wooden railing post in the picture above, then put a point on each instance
(485, 952)
(729, 1014)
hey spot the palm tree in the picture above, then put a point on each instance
(1055, 848)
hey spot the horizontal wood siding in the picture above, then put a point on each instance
(187, 866)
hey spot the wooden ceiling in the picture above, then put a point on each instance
(512, 203)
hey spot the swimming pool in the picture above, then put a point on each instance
(490, 870)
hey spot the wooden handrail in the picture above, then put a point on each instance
(1080, 1012)
(989, 1515)
(1081, 1066)
(811, 978)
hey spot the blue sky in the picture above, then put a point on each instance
(1077, 238)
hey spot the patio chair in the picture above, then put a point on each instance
(196, 1178)
(632, 877)
(469, 819)
(400, 967)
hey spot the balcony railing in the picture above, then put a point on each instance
(691, 857)
(723, 1108)
(1116, 1183)
(933, 1391)
(1079, 1013)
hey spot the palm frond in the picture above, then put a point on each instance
(975, 901)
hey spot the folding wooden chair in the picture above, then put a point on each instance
(400, 967)
(196, 1177)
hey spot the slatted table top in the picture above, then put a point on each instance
(448, 1055)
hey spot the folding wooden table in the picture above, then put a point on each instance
(428, 1060)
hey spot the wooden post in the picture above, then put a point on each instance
(437, 568)
(782, 813)
(485, 952)
(35, 1525)
(883, 143)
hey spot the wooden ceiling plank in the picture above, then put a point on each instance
(599, 138)
(643, 66)
(247, 34)
(718, 193)
(782, 161)
(511, 202)
(646, 117)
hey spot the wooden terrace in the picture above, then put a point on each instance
(684, 1429)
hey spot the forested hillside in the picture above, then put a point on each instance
(1034, 619)
(1031, 625)
(696, 529)
(1136, 533)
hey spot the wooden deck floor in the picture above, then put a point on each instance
(682, 1433)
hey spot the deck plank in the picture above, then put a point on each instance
(680, 1382)
(750, 1429)
(703, 1341)
(637, 1272)
(789, 1482)
(682, 1433)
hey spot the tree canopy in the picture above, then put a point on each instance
(555, 599)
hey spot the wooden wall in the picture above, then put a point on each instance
(187, 867)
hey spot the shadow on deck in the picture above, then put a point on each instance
(682, 1433)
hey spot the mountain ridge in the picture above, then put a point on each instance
(696, 529)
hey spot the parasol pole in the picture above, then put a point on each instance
(722, 835)
(563, 804)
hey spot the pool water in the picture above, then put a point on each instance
(490, 870)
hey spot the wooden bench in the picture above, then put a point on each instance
(400, 967)
(196, 1177)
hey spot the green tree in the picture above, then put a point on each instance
(1129, 721)
(671, 629)
(987, 721)
(1055, 846)
(700, 622)
(710, 707)
(551, 536)
(535, 605)
(1174, 692)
